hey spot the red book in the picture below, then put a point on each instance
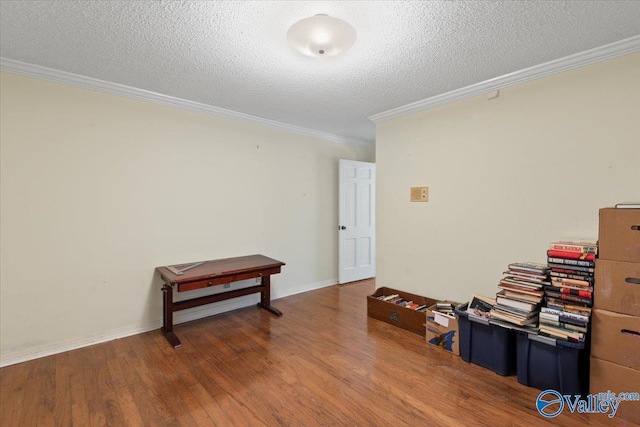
(571, 255)
(574, 246)
(583, 294)
(561, 281)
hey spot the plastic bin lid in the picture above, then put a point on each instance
(554, 341)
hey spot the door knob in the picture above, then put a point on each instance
(342, 227)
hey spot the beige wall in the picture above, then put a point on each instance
(98, 190)
(506, 177)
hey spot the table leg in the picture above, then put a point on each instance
(265, 297)
(167, 316)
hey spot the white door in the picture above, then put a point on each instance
(356, 221)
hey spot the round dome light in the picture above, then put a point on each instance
(321, 36)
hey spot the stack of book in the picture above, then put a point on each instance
(569, 296)
(564, 321)
(521, 292)
(445, 307)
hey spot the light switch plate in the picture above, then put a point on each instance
(419, 194)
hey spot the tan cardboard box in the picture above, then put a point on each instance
(617, 286)
(442, 329)
(616, 338)
(619, 235)
(607, 376)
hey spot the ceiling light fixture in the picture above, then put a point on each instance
(321, 36)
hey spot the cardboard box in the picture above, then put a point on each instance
(616, 338)
(442, 329)
(396, 315)
(619, 234)
(617, 286)
(607, 376)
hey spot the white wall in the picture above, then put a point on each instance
(506, 177)
(97, 190)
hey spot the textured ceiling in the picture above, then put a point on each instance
(234, 55)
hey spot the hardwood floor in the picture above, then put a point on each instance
(323, 363)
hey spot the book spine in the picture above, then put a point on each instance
(528, 267)
(515, 304)
(569, 332)
(567, 306)
(574, 282)
(570, 291)
(518, 296)
(518, 276)
(576, 248)
(522, 283)
(571, 255)
(561, 333)
(565, 315)
(577, 288)
(563, 268)
(523, 280)
(569, 297)
(565, 320)
(514, 311)
(528, 274)
(521, 289)
(562, 325)
(577, 262)
(589, 279)
(569, 339)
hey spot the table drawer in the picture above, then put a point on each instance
(224, 279)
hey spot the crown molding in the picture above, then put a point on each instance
(581, 59)
(57, 76)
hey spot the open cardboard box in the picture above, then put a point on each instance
(442, 329)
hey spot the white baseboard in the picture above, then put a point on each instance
(24, 355)
(300, 289)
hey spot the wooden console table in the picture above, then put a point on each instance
(198, 275)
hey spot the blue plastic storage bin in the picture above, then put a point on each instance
(547, 363)
(486, 343)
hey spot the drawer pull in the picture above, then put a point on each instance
(630, 332)
(635, 227)
(632, 280)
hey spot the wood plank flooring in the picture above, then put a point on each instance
(324, 363)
